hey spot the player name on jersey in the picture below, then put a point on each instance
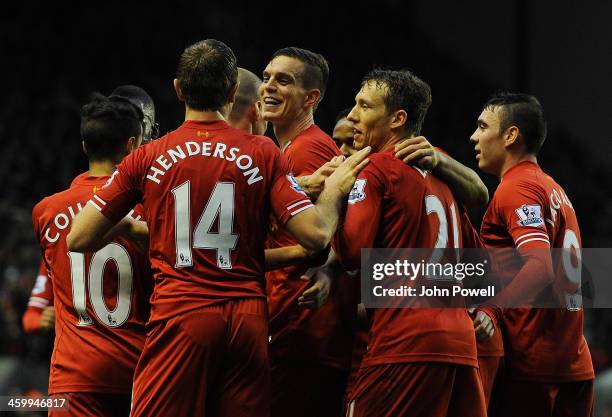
(62, 222)
(190, 149)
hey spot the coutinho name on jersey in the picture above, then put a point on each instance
(171, 156)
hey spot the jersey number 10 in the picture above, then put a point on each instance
(112, 252)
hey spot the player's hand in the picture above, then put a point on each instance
(345, 175)
(314, 183)
(47, 319)
(317, 295)
(418, 151)
(483, 326)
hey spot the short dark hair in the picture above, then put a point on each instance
(406, 92)
(246, 95)
(142, 99)
(206, 72)
(106, 125)
(316, 68)
(523, 111)
(342, 114)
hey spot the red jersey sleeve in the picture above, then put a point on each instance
(123, 190)
(40, 298)
(287, 197)
(523, 210)
(362, 217)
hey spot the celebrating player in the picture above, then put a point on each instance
(343, 133)
(471, 192)
(207, 190)
(245, 112)
(419, 361)
(150, 129)
(100, 298)
(308, 348)
(548, 364)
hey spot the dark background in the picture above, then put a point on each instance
(54, 55)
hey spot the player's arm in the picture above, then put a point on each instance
(106, 214)
(324, 277)
(313, 228)
(314, 183)
(536, 274)
(38, 319)
(289, 255)
(40, 313)
(531, 240)
(463, 181)
(92, 230)
(358, 231)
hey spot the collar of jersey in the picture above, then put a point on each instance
(521, 164)
(208, 125)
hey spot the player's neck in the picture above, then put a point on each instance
(243, 124)
(514, 160)
(202, 116)
(101, 168)
(285, 133)
(393, 140)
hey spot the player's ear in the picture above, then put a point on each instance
(179, 91)
(312, 98)
(232, 92)
(253, 113)
(511, 136)
(399, 119)
(131, 145)
(84, 147)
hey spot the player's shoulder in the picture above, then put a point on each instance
(261, 140)
(51, 204)
(312, 133)
(385, 167)
(262, 145)
(524, 178)
(378, 162)
(54, 199)
(395, 168)
(314, 136)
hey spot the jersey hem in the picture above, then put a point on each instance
(432, 357)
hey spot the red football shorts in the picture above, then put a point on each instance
(539, 399)
(94, 404)
(211, 362)
(306, 389)
(490, 370)
(417, 390)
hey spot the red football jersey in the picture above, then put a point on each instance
(322, 335)
(207, 190)
(530, 210)
(393, 205)
(101, 299)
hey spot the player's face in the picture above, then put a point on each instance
(369, 117)
(282, 94)
(488, 141)
(343, 136)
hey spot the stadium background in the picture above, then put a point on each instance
(54, 55)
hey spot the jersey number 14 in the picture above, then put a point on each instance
(221, 205)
